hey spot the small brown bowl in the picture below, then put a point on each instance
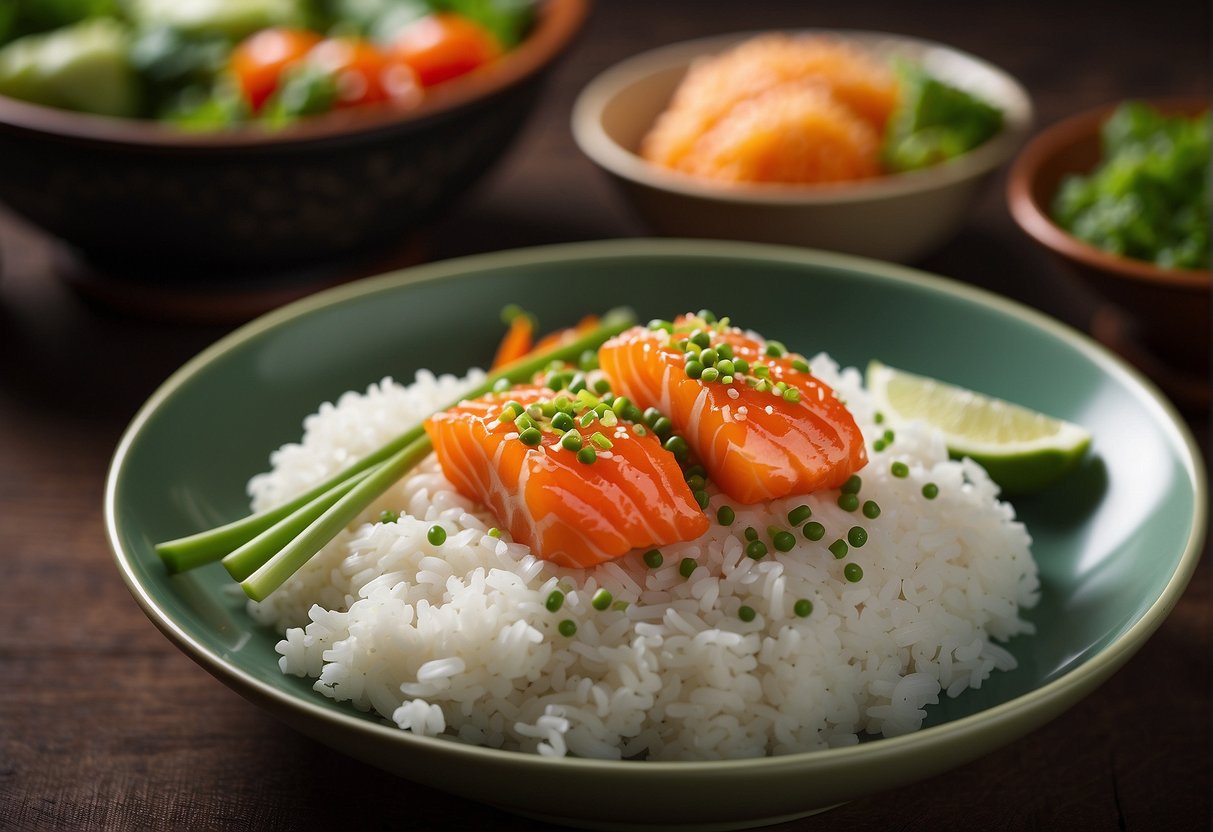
(139, 197)
(1162, 316)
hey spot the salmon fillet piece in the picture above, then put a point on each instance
(572, 513)
(757, 440)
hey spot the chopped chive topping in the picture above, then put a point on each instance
(567, 628)
(678, 447)
(562, 421)
(555, 600)
(653, 558)
(899, 470)
(762, 370)
(657, 324)
(494, 532)
(602, 386)
(388, 517)
(571, 441)
(740, 365)
(756, 550)
(791, 395)
(701, 497)
(532, 436)
(587, 418)
(848, 502)
(588, 361)
(639, 430)
(799, 514)
(501, 385)
(800, 364)
(853, 572)
(745, 613)
(436, 535)
(620, 605)
(930, 491)
(609, 419)
(784, 541)
(857, 536)
(725, 515)
(839, 549)
(803, 608)
(751, 533)
(602, 599)
(600, 441)
(814, 530)
(776, 350)
(852, 485)
(706, 315)
(587, 456)
(686, 566)
(871, 509)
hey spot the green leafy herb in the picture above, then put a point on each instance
(1149, 197)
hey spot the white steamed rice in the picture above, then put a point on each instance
(456, 640)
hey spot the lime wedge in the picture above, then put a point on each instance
(1022, 450)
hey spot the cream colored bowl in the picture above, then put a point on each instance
(899, 217)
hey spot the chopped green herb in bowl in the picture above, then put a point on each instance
(1149, 197)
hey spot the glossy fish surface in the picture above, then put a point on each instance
(569, 511)
(757, 419)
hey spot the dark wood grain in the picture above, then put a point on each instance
(104, 725)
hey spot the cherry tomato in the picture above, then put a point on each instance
(363, 74)
(443, 46)
(259, 60)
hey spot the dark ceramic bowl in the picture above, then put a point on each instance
(137, 194)
(1165, 311)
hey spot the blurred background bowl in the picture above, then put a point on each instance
(1159, 318)
(138, 196)
(898, 217)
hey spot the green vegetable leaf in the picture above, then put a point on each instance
(935, 122)
(1149, 197)
(508, 20)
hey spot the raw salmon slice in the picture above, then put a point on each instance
(572, 513)
(757, 440)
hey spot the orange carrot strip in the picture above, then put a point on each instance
(516, 343)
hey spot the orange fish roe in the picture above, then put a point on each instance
(725, 116)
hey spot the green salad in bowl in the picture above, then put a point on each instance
(219, 63)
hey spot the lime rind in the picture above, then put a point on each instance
(1021, 449)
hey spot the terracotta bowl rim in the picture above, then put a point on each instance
(558, 21)
(603, 150)
(1031, 216)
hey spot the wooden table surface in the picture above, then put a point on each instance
(105, 725)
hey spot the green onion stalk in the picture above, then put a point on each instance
(264, 549)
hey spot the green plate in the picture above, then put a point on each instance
(1116, 541)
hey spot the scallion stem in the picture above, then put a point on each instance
(280, 563)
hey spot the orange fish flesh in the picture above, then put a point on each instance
(567, 511)
(766, 428)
